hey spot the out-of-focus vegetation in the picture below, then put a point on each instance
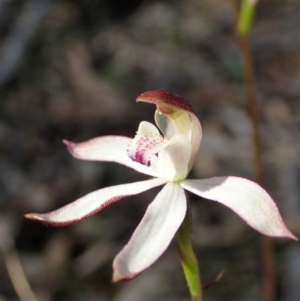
(72, 70)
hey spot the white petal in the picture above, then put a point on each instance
(92, 203)
(146, 144)
(166, 125)
(173, 159)
(153, 235)
(196, 137)
(251, 202)
(185, 123)
(110, 149)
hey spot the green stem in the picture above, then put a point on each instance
(188, 260)
(246, 16)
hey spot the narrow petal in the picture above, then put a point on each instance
(92, 203)
(110, 149)
(246, 198)
(153, 235)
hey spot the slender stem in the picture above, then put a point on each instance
(246, 16)
(16, 272)
(266, 244)
(188, 260)
(252, 105)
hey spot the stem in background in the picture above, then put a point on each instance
(266, 243)
(16, 272)
(188, 260)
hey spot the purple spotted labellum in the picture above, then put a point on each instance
(168, 158)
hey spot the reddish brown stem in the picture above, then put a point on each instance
(266, 244)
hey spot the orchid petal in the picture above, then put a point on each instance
(173, 159)
(178, 117)
(170, 157)
(146, 144)
(109, 149)
(154, 233)
(170, 125)
(246, 198)
(92, 203)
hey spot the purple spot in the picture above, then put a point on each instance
(139, 157)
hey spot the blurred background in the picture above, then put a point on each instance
(72, 69)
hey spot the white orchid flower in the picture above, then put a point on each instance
(167, 155)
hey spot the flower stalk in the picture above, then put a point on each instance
(246, 16)
(244, 20)
(188, 260)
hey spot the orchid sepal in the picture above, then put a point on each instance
(92, 203)
(246, 198)
(154, 233)
(107, 149)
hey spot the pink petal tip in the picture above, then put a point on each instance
(42, 218)
(70, 146)
(118, 277)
